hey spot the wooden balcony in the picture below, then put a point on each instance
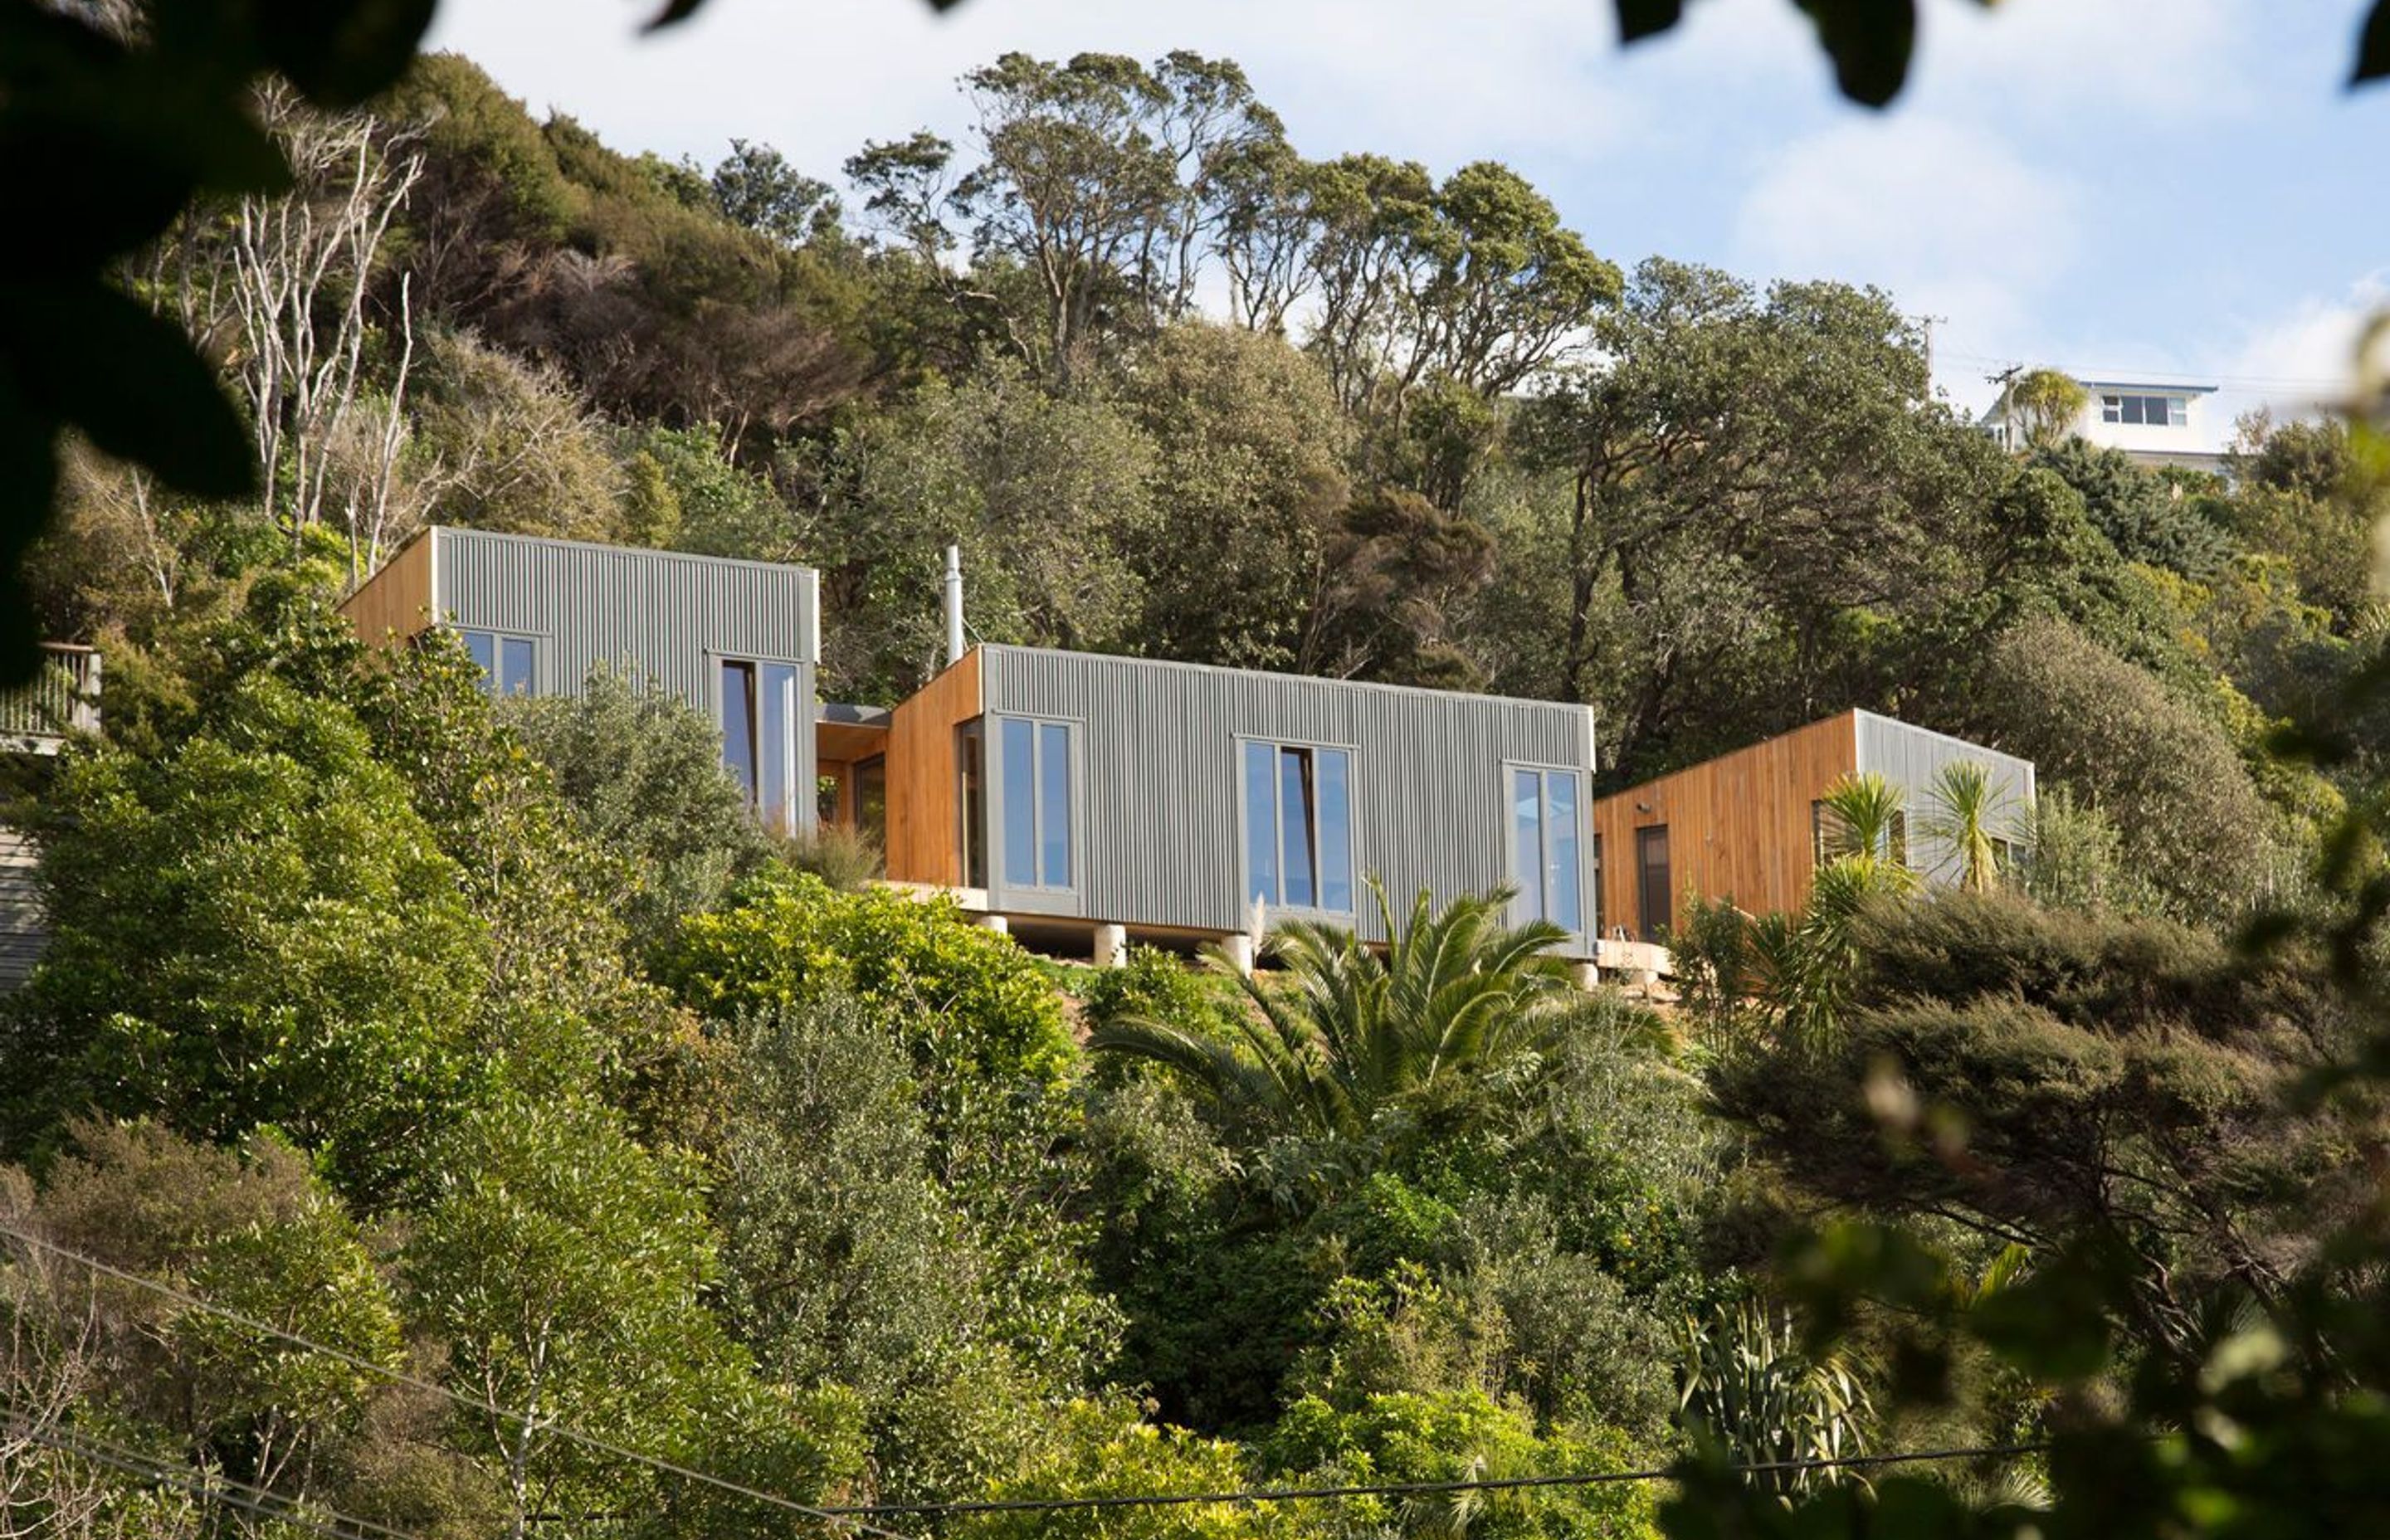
(63, 699)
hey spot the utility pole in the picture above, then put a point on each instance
(2005, 379)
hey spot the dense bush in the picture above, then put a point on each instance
(971, 1002)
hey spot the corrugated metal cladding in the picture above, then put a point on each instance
(1910, 758)
(665, 609)
(671, 614)
(1158, 819)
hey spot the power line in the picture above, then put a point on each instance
(1401, 1489)
(223, 1489)
(571, 1435)
(856, 1515)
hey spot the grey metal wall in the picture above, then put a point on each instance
(1911, 757)
(1158, 822)
(671, 614)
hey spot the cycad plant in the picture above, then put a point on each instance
(1352, 1029)
(1970, 817)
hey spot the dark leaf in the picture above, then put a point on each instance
(2054, 1325)
(132, 383)
(340, 52)
(1641, 18)
(2373, 45)
(27, 487)
(674, 11)
(1869, 42)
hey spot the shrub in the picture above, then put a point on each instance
(970, 1003)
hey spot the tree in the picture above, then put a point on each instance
(644, 771)
(2042, 406)
(1765, 501)
(755, 186)
(252, 1231)
(1967, 817)
(1248, 448)
(1455, 994)
(2190, 817)
(255, 927)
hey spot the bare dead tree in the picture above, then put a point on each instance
(301, 265)
(50, 1364)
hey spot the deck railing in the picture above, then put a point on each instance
(62, 698)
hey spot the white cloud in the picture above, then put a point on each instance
(1955, 226)
(2160, 58)
(2297, 361)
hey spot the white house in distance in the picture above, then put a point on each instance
(2158, 424)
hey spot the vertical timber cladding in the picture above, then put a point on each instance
(669, 615)
(1159, 823)
(1738, 825)
(396, 601)
(924, 785)
(1911, 757)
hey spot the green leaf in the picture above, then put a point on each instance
(2373, 45)
(2054, 1325)
(341, 52)
(1869, 42)
(131, 381)
(1640, 19)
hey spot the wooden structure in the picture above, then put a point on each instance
(1745, 827)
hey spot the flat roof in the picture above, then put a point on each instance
(2153, 386)
(1279, 673)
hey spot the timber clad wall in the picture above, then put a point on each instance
(396, 601)
(1158, 779)
(924, 811)
(1738, 825)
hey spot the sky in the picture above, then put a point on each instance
(2168, 190)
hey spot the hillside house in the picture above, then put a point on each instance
(1750, 826)
(37, 719)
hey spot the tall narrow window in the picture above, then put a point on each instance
(1656, 898)
(1035, 760)
(506, 662)
(739, 725)
(761, 716)
(1547, 850)
(1298, 827)
(969, 745)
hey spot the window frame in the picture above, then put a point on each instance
(492, 677)
(995, 778)
(1277, 745)
(801, 793)
(1588, 859)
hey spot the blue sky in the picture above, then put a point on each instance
(2129, 188)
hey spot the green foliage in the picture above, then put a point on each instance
(1455, 994)
(564, 1267)
(644, 772)
(256, 927)
(2191, 821)
(1458, 1435)
(972, 1004)
(1751, 1387)
(2044, 405)
(1102, 1449)
(846, 1263)
(2110, 1081)
(2146, 518)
